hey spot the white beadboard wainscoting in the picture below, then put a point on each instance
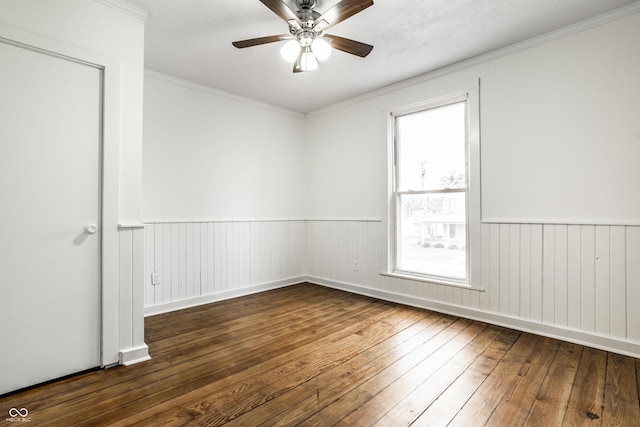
(131, 277)
(201, 262)
(580, 283)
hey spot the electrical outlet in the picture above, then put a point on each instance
(355, 265)
(155, 278)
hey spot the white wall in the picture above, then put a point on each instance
(223, 199)
(561, 129)
(559, 126)
(101, 29)
(346, 168)
(560, 141)
(559, 138)
(105, 30)
(210, 156)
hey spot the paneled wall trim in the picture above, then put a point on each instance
(196, 263)
(131, 278)
(580, 283)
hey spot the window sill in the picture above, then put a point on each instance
(433, 281)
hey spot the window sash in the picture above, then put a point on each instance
(398, 193)
(463, 280)
(444, 190)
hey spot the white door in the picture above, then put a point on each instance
(50, 145)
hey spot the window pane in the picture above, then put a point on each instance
(432, 149)
(432, 234)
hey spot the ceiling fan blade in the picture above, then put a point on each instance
(281, 9)
(350, 46)
(342, 10)
(260, 40)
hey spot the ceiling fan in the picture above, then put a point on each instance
(307, 41)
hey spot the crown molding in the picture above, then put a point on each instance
(218, 93)
(125, 7)
(613, 15)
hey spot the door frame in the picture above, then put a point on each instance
(109, 179)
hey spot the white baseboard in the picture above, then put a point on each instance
(607, 343)
(134, 355)
(220, 296)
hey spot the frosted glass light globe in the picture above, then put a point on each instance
(290, 51)
(321, 49)
(308, 61)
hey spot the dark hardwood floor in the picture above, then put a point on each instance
(312, 356)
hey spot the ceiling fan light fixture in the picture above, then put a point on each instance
(290, 51)
(321, 49)
(306, 44)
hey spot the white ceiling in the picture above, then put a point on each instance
(191, 39)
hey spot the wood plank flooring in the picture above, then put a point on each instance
(312, 356)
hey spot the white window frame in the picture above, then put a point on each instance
(468, 92)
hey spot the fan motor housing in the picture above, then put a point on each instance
(306, 4)
(305, 12)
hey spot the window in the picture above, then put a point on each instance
(435, 212)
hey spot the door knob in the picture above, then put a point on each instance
(91, 229)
